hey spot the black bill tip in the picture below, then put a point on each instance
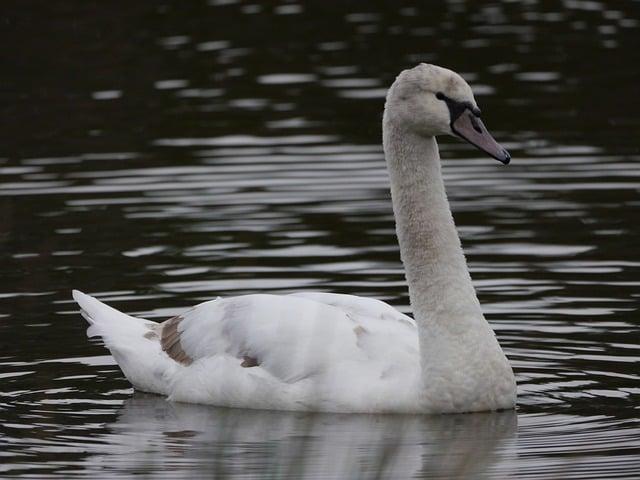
(505, 158)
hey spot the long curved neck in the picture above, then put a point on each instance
(440, 287)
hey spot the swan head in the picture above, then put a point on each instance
(430, 100)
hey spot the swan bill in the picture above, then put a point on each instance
(469, 127)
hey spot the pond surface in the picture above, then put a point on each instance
(159, 155)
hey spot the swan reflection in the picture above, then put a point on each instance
(154, 436)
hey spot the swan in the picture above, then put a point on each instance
(343, 353)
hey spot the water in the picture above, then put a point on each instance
(159, 155)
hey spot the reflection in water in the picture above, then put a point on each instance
(155, 436)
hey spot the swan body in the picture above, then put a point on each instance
(343, 353)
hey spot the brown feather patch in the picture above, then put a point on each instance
(170, 341)
(359, 330)
(151, 335)
(248, 362)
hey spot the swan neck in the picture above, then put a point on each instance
(440, 287)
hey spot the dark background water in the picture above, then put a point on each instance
(157, 154)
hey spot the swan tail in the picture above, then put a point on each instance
(133, 342)
(105, 321)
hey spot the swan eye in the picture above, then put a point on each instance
(440, 96)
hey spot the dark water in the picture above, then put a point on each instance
(160, 154)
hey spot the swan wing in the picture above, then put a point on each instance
(295, 351)
(290, 335)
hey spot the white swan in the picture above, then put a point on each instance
(342, 353)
